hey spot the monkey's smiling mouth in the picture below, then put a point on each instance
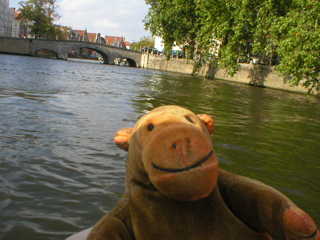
(175, 170)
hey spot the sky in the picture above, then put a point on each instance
(113, 18)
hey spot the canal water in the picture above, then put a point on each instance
(60, 171)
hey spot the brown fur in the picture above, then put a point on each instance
(174, 189)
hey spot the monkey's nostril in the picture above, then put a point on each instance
(175, 146)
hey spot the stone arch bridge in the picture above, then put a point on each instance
(61, 48)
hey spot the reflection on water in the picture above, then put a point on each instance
(60, 170)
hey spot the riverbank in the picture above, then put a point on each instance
(257, 75)
(251, 74)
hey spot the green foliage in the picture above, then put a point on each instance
(225, 31)
(144, 42)
(174, 21)
(42, 14)
(300, 44)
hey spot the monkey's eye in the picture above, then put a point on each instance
(189, 119)
(150, 127)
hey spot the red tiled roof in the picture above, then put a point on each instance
(81, 32)
(17, 15)
(91, 36)
(110, 40)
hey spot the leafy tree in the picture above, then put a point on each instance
(220, 30)
(144, 42)
(242, 28)
(42, 13)
(174, 21)
(299, 44)
(268, 13)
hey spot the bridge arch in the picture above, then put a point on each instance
(132, 62)
(35, 52)
(106, 58)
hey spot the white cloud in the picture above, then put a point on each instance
(105, 23)
(76, 5)
(113, 18)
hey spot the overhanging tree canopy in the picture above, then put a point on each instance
(243, 28)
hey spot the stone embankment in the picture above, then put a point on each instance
(18, 46)
(252, 74)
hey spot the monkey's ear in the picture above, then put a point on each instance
(207, 121)
(122, 138)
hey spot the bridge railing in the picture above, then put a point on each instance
(73, 39)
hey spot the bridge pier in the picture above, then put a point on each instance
(63, 56)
